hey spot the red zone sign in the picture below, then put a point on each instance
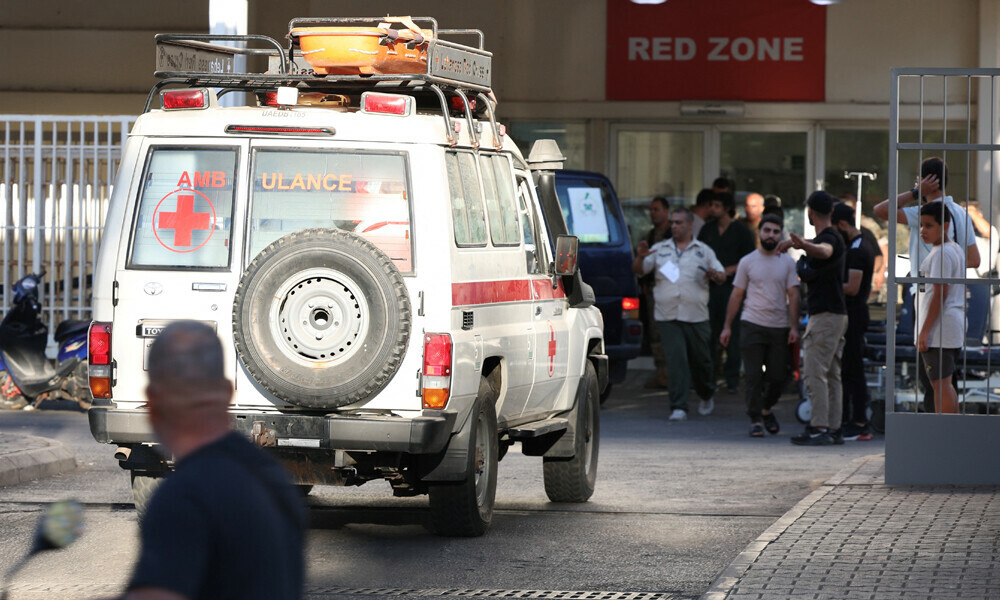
(716, 50)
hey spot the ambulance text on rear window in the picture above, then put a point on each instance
(364, 193)
(185, 214)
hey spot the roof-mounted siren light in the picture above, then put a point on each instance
(545, 155)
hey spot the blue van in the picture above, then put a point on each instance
(592, 213)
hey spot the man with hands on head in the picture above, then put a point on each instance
(682, 269)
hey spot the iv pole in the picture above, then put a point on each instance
(861, 176)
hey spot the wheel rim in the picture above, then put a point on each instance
(320, 316)
(482, 458)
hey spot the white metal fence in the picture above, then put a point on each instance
(56, 177)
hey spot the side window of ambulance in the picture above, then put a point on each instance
(531, 249)
(466, 199)
(185, 214)
(499, 190)
(365, 193)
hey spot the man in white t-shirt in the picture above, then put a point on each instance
(933, 179)
(765, 279)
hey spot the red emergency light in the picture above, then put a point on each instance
(184, 99)
(386, 104)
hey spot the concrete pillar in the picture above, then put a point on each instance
(987, 174)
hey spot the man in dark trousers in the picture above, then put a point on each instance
(226, 523)
(858, 272)
(822, 271)
(731, 241)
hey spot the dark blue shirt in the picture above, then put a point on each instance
(226, 524)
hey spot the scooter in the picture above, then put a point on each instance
(27, 376)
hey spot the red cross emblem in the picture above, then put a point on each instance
(183, 221)
(552, 349)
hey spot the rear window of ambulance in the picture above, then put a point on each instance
(364, 193)
(185, 214)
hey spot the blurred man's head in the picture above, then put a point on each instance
(754, 206)
(722, 205)
(659, 212)
(721, 184)
(819, 204)
(681, 224)
(188, 392)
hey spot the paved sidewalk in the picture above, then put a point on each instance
(856, 537)
(27, 457)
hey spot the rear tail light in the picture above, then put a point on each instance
(458, 105)
(184, 99)
(99, 359)
(386, 104)
(630, 308)
(436, 381)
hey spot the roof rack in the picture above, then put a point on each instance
(452, 69)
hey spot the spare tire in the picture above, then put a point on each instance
(321, 318)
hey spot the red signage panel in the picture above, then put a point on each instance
(716, 50)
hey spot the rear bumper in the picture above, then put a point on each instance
(426, 434)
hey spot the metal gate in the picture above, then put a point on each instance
(56, 179)
(951, 114)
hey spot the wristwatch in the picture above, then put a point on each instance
(915, 192)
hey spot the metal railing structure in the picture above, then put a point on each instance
(56, 178)
(934, 448)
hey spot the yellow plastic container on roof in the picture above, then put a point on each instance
(378, 50)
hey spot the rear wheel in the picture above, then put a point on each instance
(10, 394)
(466, 508)
(143, 488)
(573, 479)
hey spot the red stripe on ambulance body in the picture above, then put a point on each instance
(511, 290)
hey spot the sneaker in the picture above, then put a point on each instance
(705, 407)
(771, 424)
(678, 415)
(812, 437)
(837, 437)
(756, 430)
(853, 431)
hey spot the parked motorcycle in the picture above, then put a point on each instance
(59, 526)
(26, 374)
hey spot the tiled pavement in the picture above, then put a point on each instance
(855, 538)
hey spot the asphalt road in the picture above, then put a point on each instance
(675, 504)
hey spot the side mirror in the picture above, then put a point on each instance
(567, 252)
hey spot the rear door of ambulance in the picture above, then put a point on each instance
(180, 252)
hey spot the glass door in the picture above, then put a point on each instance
(650, 161)
(767, 162)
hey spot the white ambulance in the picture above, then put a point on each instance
(394, 299)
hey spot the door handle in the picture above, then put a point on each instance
(538, 310)
(208, 287)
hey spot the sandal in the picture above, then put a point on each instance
(756, 430)
(771, 424)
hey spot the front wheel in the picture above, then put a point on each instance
(573, 479)
(466, 508)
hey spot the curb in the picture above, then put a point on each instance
(732, 574)
(43, 458)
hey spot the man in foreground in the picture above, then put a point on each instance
(226, 523)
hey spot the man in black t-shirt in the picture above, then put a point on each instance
(822, 272)
(227, 523)
(857, 287)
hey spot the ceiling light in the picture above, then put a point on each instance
(648, 1)
(819, 2)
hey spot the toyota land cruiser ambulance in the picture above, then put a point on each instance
(368, 244)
